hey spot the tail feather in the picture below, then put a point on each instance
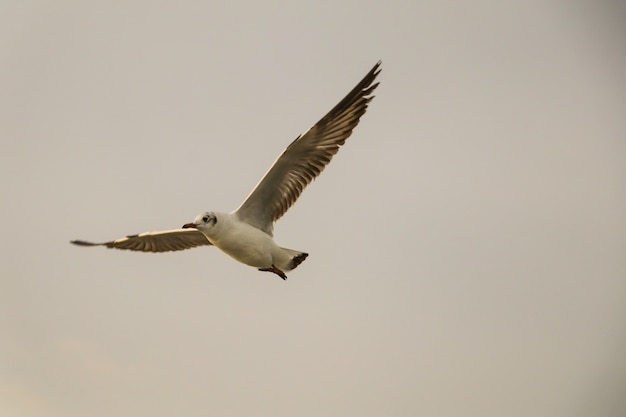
(297, 258)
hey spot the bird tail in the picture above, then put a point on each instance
(297, 258)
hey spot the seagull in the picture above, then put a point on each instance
(246, 234)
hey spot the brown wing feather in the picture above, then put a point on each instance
(306, 157)
(162, 241)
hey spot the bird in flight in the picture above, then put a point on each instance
(246, 234)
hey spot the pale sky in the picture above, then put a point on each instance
(467, 245)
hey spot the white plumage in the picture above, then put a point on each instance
(246, 233)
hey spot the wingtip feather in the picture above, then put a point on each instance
(84, 243)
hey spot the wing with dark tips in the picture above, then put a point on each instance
(305, 158)
(161, 241)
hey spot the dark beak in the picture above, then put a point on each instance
(189, 226)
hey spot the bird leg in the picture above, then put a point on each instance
(274, 270)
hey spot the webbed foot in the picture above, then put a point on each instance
(274, 270)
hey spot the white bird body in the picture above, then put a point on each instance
(244, 242)
(246, 233)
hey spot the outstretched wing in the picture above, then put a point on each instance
(162, 241)
(305, 158)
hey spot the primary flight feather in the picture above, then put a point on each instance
(246, 233)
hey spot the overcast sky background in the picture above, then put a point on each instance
(467, 245)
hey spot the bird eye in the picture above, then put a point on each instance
(205, 219)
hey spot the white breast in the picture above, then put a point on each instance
(242, 241)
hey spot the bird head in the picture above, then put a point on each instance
(203, 221)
